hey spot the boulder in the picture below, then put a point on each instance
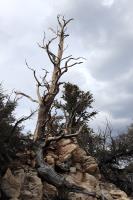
(32, 187)
(76, 196)
(90, 168)
(88, 178)
(78, 155)
(89, 164)
(65, 151)
(50, 160)
(118, 194)
(64, 142)
(75, 178)
(10, 185)
(73, 169)
(78, 166)
(49, 191)
(106, 194)
(14, 199)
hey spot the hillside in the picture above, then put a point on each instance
(21, 181)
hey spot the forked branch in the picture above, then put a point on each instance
(27, 96)
(61, 136)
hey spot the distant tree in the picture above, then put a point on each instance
(11, 138)
(115, 148)
(114, 155)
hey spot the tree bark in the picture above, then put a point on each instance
(45, 102)
(42, 117)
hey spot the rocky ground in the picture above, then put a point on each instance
(21, 181)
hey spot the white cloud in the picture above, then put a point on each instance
(108, 2)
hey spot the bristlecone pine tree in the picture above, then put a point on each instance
(77, 109)
(45, 101)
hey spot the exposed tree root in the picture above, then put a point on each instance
(47, 173)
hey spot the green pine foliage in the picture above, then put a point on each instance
(9, 137)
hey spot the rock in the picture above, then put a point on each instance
(75, 177)
(50, 160)
(86, 181)
(92, 168)
(89, 182)
(64, 142)
(26, 194)
(78, 155)
(118, 194)
(89, 164)
(14, 199)
(49, 191)
(32, 187)
(73, 169)
(64, 158)
(53, 154)
(78, 166)
(73, 163)
(88, 178)
(65, 151)
(20, 174)
(10, 185)
(106, 194)
(76, 196)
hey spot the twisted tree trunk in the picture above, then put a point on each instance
(45, 102)
(48, 174)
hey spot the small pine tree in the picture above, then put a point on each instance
(9, 137)
(78, 110)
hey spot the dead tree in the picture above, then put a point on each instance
(61, 65)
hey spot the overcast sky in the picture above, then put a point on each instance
(102, 32)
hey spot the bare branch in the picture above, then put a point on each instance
(63, 135)
(67, 21)
(34, 73)
(46, 46)
(53, 31)
(66, 57)
(38, 83)
(76, 63)
(22, 119)
(43, 41)
(59, 22)
(67, 65)
(53, 86)
(61, 83)
(25, 95)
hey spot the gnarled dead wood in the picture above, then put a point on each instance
(47, 173)
(58, 71)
